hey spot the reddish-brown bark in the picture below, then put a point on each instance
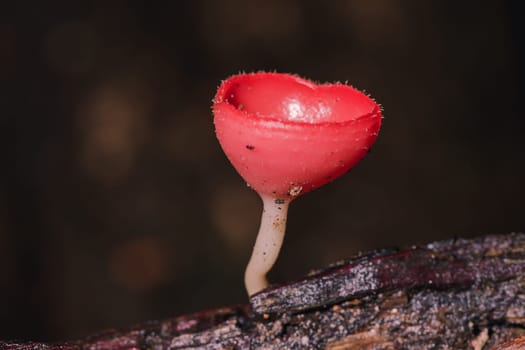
(456, 294)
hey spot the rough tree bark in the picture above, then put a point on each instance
(455, 294)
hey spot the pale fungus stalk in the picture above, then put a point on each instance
(268, 243)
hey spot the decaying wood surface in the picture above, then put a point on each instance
(456, 294)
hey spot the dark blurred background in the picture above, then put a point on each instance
(117, 204)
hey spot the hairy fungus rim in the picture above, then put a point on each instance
(221, 99)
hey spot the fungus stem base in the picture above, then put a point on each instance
(268, 243)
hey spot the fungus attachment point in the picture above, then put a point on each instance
(287, 136)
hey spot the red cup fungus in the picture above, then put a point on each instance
(287, 136)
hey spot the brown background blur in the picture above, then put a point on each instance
(117, 205)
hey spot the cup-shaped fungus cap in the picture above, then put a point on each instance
(286, 135)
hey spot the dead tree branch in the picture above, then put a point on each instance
(455, 294)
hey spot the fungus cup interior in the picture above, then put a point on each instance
(290, 98)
